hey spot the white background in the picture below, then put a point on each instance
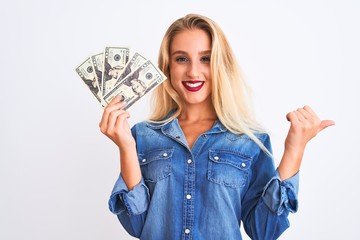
(56, 168)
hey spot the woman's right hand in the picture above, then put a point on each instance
(114, 123)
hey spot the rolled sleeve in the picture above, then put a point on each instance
(282, 195)
(134, 202)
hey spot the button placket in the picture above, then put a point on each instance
(189, 187)
(189, 190)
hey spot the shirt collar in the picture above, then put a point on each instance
(174, 124)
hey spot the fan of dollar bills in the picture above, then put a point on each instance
(115, 72)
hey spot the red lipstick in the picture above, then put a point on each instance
(193, 86)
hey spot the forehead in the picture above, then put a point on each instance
(191, 40)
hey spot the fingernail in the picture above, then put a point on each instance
(122, 98)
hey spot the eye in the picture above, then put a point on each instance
(205, 59)
(181, 59)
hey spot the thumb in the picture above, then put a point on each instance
(326, 123)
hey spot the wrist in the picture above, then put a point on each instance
(294, 150)
(290, 162)
(127, 146)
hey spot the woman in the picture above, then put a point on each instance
(202, 164)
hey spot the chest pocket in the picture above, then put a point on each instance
(156, 164)
(228, 168)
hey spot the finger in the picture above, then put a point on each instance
(296, 116)
(118, 98)
(310, 110)
(120, 121)
(110, 108)
(114, 115)
(103, 121)
(305, 114)
(326, 123)
(117, 103)
(300, 116)
(116, 106)
(292, 117)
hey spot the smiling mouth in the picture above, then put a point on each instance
(193, 86)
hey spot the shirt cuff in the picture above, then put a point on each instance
(134, 202)
(282, 195)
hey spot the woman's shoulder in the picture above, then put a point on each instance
(143, 125)
(157, 124)
(262, 136)
(140, 124)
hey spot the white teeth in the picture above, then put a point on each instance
(193, 85)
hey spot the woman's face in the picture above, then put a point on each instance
(190, 66)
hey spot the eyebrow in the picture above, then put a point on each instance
(183, 52)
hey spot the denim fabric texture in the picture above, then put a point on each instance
(205, 192)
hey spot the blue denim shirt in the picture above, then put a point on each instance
(206, 191)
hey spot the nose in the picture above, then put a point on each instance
(193, 70)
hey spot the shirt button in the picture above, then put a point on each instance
(164, 154)
(144, 160)
(216, 158)
(177, 137)
(187, 231)
(243, 165)
(204, 135)
(189, 161)
(188, 196)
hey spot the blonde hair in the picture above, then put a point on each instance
(229, 90)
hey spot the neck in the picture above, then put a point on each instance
(198, 112)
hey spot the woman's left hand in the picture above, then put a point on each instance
(305, 125)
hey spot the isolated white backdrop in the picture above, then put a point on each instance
(57, 170)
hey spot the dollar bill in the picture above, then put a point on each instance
(136, 61)
(87, 74)
(115, 59)
(136, 84)
(98, 64)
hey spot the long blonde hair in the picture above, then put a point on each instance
(229, 90)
